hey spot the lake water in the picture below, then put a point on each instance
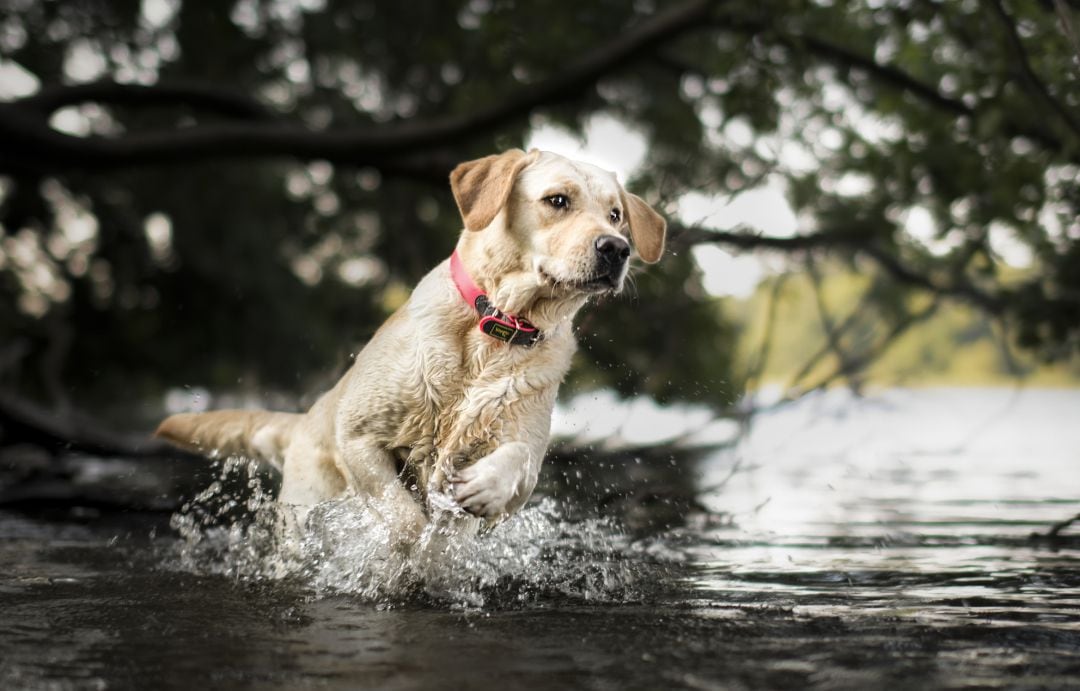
(841, 543)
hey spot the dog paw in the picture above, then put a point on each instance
(487, 487)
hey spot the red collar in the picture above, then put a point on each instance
(493, 322)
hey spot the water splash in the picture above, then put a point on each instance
(232, 529)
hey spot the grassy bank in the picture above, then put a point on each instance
(950, 344)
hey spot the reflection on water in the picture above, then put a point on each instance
(856, 542)
(912, 495)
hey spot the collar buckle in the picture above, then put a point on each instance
(493, 321)
(505, 327)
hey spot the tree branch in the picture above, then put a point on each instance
(845, 363)
(758, 367)
(1067, 26)
(959, 288)
(203, 96)
(23, 136)
(1032, 80)
(842, 329)
(1056, 529)
(873, 353)
(685, 236)
(858, 241)
(891, 76)
(22, 421)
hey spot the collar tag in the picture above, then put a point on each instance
(509, 329)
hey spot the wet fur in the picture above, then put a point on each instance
(432, 406)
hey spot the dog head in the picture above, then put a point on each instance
(540, 222)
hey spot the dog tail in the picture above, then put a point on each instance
(251, 433)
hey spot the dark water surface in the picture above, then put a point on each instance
(842, 544)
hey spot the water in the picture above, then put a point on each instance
(842, 543)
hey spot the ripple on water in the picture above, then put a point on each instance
(902, 500)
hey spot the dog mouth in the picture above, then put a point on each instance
(597, 283)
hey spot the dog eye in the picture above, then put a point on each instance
(615, 216)
(559, 201)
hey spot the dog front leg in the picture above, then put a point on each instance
(370, 471)
(500, 483)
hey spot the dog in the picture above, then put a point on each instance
(452, 397)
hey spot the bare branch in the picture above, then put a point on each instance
(832, 334)
(1053, 534)
(1056, 529)
(862, 360)
(767, 338)
(849, 321)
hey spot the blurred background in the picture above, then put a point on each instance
(207, 204)
(829, 441)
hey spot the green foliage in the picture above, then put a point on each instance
(278, 267)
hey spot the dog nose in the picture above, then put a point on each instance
(612, 251)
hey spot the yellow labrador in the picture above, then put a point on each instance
(452, 397)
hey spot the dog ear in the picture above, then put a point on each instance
(481, 187)
(647, 228)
